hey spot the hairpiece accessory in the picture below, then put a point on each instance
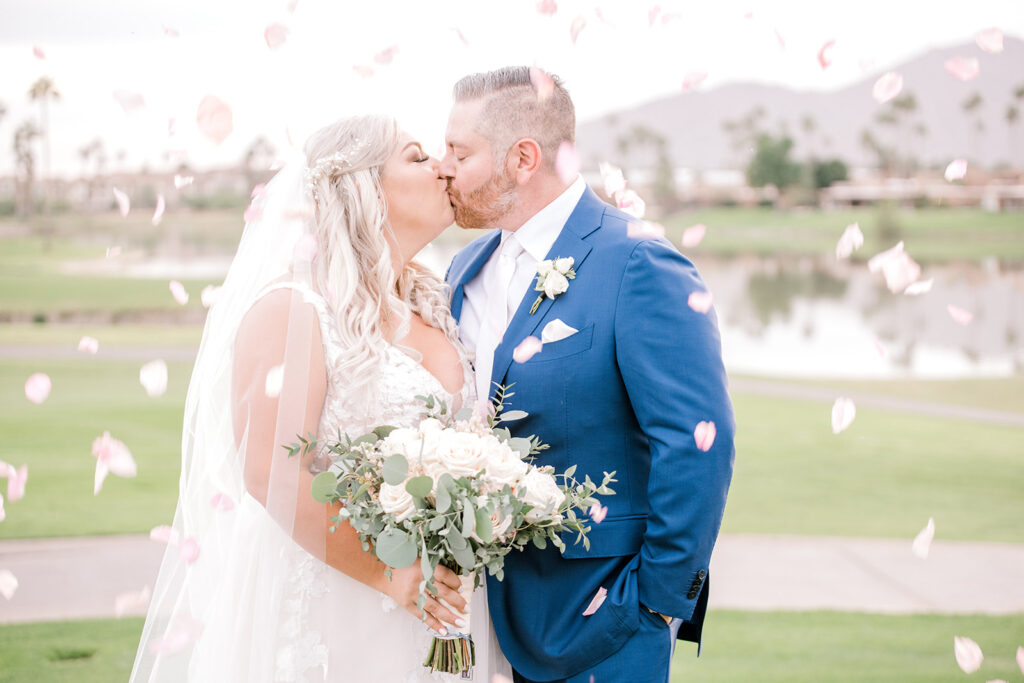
(335, 163)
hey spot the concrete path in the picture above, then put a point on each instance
(80, 578)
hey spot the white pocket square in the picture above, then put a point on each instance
(556, 330)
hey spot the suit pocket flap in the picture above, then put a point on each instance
(614, 537)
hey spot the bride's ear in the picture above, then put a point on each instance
(524, 159)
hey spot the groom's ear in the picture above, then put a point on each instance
(524, 160)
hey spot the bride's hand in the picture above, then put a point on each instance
(404, 588)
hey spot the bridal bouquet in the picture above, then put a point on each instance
(455, 490)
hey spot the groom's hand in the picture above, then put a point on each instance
(446, 607)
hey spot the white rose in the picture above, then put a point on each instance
(502, 466)
(397, 501)
(540, 491)
(555, 284)
(563, 265)
(420, 448)
(544, 267)
(461, 454)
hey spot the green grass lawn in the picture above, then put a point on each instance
(768, 647)
(68, 336)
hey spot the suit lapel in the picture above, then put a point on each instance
(474, 263)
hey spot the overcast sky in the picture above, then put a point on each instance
(95, 47)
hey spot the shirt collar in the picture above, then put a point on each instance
(542, 229)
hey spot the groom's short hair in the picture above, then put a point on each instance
(513, 109)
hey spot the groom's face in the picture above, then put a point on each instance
(482, 191)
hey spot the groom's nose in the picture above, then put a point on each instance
(447, 167)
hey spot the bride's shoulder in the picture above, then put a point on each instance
(282, 310)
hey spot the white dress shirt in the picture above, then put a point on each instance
(536, 236)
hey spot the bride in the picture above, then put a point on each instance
(324, 326)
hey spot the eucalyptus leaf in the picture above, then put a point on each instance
(483, 525)
(383, 431)
(464, 557)
(425, 568)
(463, 415)
(520, 446)
(444, 499)
(570, 471)
(468, 522)
(436, 524)
(323, 487)
(419, 487)
(457, 541)
(513, 415)
(370, 438)
(396, 548)
(396, 469)
(540, 541)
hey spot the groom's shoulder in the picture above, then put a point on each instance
(625, 235)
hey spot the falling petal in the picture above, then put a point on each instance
(123, 203)
(900, 271)
(923, 541)
(879, 348)
(305, 248)
(693, 235)
(174, 640)
(163, 534)
(692, 79)
(1020, 659)
(39, 54)
(133, 603)
(578, 25)
(111, 456)
(253, 214)
(843, 412)
(920, 287)
(292, 4)
(645, 230)
(822, 57)
(968, 654)
(258, 191)
(462, 37)
(214, 119)
(170, 31)
(113, 252)
(130, 101)
(275, 35)
(37, 387)
(181, 181)
(704, 435)
(598, 512)
(542, 82)
(613, 180)
(364, 71)
(963, 68)
(3, 512)
(527, 349)
(88, 345)
(652, 15)
(887, 87)
(188, 551)
(548, 7)
(386, 56)
(223, 502)
(960, 315)
(158, 214)
(178, 292)
(8, 583)
(567, 163)
(700, 301)
(598, 600)
(851, 240)
(274, 381)
(780, 39)
(956, 170)
(102, 470)
(153, 377)
(209, 295)
(630, 202)
(990, 40)
(17, 478)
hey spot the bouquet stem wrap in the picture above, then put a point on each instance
(455, 653)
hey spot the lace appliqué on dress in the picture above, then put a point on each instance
(301, 649)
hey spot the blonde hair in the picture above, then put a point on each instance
(353, 268)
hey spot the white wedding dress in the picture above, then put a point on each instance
(292, 618)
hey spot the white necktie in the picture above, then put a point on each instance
(496, 314)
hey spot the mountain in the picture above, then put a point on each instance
(692, 121)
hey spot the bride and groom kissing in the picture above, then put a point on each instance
(326, 326)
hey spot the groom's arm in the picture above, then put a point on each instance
(670, 360)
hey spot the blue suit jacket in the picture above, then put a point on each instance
(624, 393)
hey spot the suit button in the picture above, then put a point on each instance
(692, 594)
(701, 574)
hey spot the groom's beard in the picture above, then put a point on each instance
(486, 205)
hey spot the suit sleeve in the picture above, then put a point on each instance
(671, 363)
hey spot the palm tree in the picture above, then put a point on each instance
(43, 91)
(971, 107)
(1012, 117)
(25, 164)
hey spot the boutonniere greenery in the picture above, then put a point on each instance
(553, 278)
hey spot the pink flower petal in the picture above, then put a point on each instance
(822, 57)
(851, 240)
(596, 602)
(960, 315)
(879, 348)
(253, 214)
(548, 7)
(274, 381)
(130, 101)
(158, 214)
(99, 477)
(693, 235)
(16, 480)
(222, 502)
(209, 295)
(598, 512)
(645, 230)
(900, 271)
(170, 31)
(968, 654)
(963, 68)
(214, 119)
(133, 603)
(8, 583)
(700, 301)
(38, 52)
(153, 378)
(542, 83)
(527, 349)
(779, 38)
(578, 24)
(920, 287)
(3, 512)
(188, 551)
(692, 79)
(364, 71)
(305, 249)
(292, 4)
(113, 252)
(163, 534)
(630, 202)
(275, 35)
(567, 163)
(613, 180)
(123, 203)
(923, 541)
(843, 412)
(37, 387)
(386, 56)
(174, 640)
(704, 435)
(181, 181)
(990, 40)
(887, 87)
(88, 345)
(1020, 659)
(461, 36)
(111, 455)
(178, 292)
(258, 191)
(956, 169)
(652, 15)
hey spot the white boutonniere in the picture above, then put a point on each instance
(553, 278)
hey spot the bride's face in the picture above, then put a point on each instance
(417, 199)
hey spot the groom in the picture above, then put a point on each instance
(626, 374)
